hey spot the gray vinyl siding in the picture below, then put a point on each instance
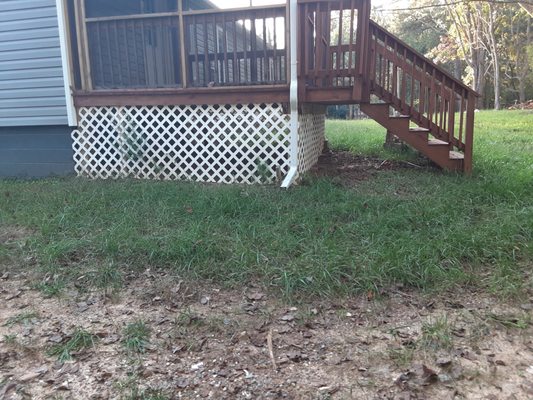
(31, 75)
(35, 151)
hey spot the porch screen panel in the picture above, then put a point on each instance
(134, 53)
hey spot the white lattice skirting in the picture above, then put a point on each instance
(222, 144)
(311, 134)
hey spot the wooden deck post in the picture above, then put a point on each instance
(469, 132)
(83, 46)
(183, 47)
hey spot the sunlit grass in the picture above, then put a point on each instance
(423, 228)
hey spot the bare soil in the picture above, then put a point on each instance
(213, 343)
(350, 169)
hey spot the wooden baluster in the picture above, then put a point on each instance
(351, 61)
(100, 56)
(216, 78)
(451, 114)
(442, 104)
(129, 79)
(207, 62)
(328, 60)
(117, 53)
(373, 66)
(236, 60)
(265, 62)
(253, 51)
(412, 97)
(275, 63)
(340, 53)
(225, 45)
(395, 74)
(422, 103)
(319, 44)
(461, 115)
(403, 95)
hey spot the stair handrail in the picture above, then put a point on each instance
(439, 93)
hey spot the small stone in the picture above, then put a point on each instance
(63, 386)
(527, 306)
(110, 339)
(14, 295)
(284, 329)
(197, 366)
(205, 300)
(29, 377)
(500, 363)
(255, 296)
(42, 370)
(444, 378)
(287, 317)
(55, 339)
(182, 383)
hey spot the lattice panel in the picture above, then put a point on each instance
(311, 140)
(222, 144)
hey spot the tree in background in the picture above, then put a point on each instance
(486, 43)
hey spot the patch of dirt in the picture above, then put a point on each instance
(13, 234)
(211, 343)
(352, 169)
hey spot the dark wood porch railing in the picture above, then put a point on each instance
(231, 48)
(415, 86)
(184, 48)
(332, 41)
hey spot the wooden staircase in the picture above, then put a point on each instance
(439, 151)
(412, 90)
(413, 98)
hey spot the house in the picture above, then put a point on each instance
(207, 91)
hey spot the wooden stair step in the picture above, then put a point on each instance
(455, 155)
(437, 142)
(419, 130)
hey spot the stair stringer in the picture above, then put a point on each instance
(438, 151)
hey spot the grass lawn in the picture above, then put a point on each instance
(421, 228)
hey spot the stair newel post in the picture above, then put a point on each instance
(469, 132)
(367, 51)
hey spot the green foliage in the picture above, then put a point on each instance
(22, 318)
(51, 288)
(79, 340)
(107, 277)
(136, 337)
(10, 339)
(437, 334)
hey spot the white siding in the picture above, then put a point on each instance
(31, 77)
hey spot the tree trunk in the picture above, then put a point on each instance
(494, 55)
